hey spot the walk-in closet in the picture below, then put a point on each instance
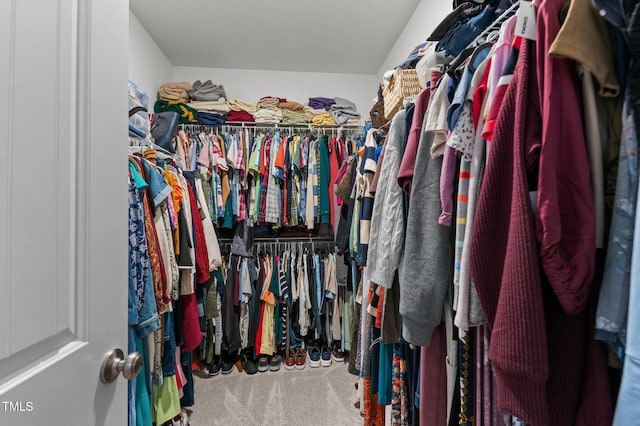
(370, 213)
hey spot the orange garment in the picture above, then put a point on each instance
(373, 412)
(263, 160)
(280, 155)
(176, 198)
(176, 193)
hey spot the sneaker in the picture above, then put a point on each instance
(249, 364)
(338, 355)
(228, 366)
(214, 367)
(275, 363)
(290, 361)
(263, 363)
(326, 357)
(301, 358)
(314, 356)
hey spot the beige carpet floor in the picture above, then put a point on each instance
(313, 396)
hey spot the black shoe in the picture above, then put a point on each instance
(338, 355)
(214, 367)
(249, 364)
(228, 365)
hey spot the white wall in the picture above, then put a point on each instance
(251, 85)
(427, 16)
(148, 65)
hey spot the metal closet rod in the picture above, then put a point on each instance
(495, 25)
(252, 125)
(283, 240)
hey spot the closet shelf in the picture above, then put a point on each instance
(275, 125)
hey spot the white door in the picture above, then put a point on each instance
(63, 209)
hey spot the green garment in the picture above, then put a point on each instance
(166, 400)
(187, 114)
(325, 177)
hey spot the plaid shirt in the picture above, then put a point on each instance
(272, 207)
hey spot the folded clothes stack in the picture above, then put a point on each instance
(187, 114)
(321, 103)
(268, 115)
(352, 122)
(210, 118)
(239, 117)
(294, 117)
(291, 106)
(177, 92)
(269, 102)
(323, 119)
(237, 105)
(311, 113)
(220, 106)
(206, 91)
(343, 110)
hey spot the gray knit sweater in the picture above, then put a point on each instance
(427, 264)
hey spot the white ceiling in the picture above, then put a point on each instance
(342, 36)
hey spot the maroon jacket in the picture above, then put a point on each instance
(503, 255)
(534, 272)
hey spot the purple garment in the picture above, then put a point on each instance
(321, 103)
(447, 185)
(479, 376)
(433, 379)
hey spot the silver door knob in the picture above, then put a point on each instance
(115, 363)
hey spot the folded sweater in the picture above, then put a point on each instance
(219, 106)
(291, 105)
(323, 119)
(237, 105)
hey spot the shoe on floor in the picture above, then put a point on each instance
(338, 355)
(228, 366)
(249, 364)
(325, 360)
(214, 367)
(314, 355)
(301, 358)
(275, 363)
(263, 363)
(290, 361)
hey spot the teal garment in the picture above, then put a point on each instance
(141, 184)
(228, 214)
(385, 367)
(143, 402)
(325, 177)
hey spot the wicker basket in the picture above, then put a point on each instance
(403, 84)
